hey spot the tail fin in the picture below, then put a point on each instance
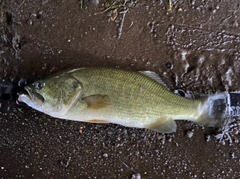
(214, 110)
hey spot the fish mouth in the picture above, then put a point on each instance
(30, 96)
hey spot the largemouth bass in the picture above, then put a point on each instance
(108, 95)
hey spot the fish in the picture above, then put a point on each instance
(137, 99)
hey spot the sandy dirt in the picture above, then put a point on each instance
(195, 47)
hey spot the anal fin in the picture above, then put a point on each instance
(97, 121)
(163, 125)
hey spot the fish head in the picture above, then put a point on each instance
(53, 96)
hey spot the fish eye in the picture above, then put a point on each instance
(39, 85)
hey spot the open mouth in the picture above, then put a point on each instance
(30, 96)
(21, 94)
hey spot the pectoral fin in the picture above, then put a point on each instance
(167, 125)
(97, 101)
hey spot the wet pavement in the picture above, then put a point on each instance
(194, 47)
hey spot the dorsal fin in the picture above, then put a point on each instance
(155, 77)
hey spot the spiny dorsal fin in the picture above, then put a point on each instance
(155, 77)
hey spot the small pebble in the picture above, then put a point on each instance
(136, 176)
(236, 141)
(105, 155)
(180, 10)
(29, 22)
(208, 138)
(169, 65)
(189, 134)
(95, 2)
(232, 155)
(159, 137)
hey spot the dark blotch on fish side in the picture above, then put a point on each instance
(6, 90)
(9, 91)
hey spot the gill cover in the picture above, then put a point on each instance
(59, 93)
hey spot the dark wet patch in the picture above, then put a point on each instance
(6, 89)
(10, 90)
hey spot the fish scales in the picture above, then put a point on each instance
(95, 94)
(141, 100)
(132, 89)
